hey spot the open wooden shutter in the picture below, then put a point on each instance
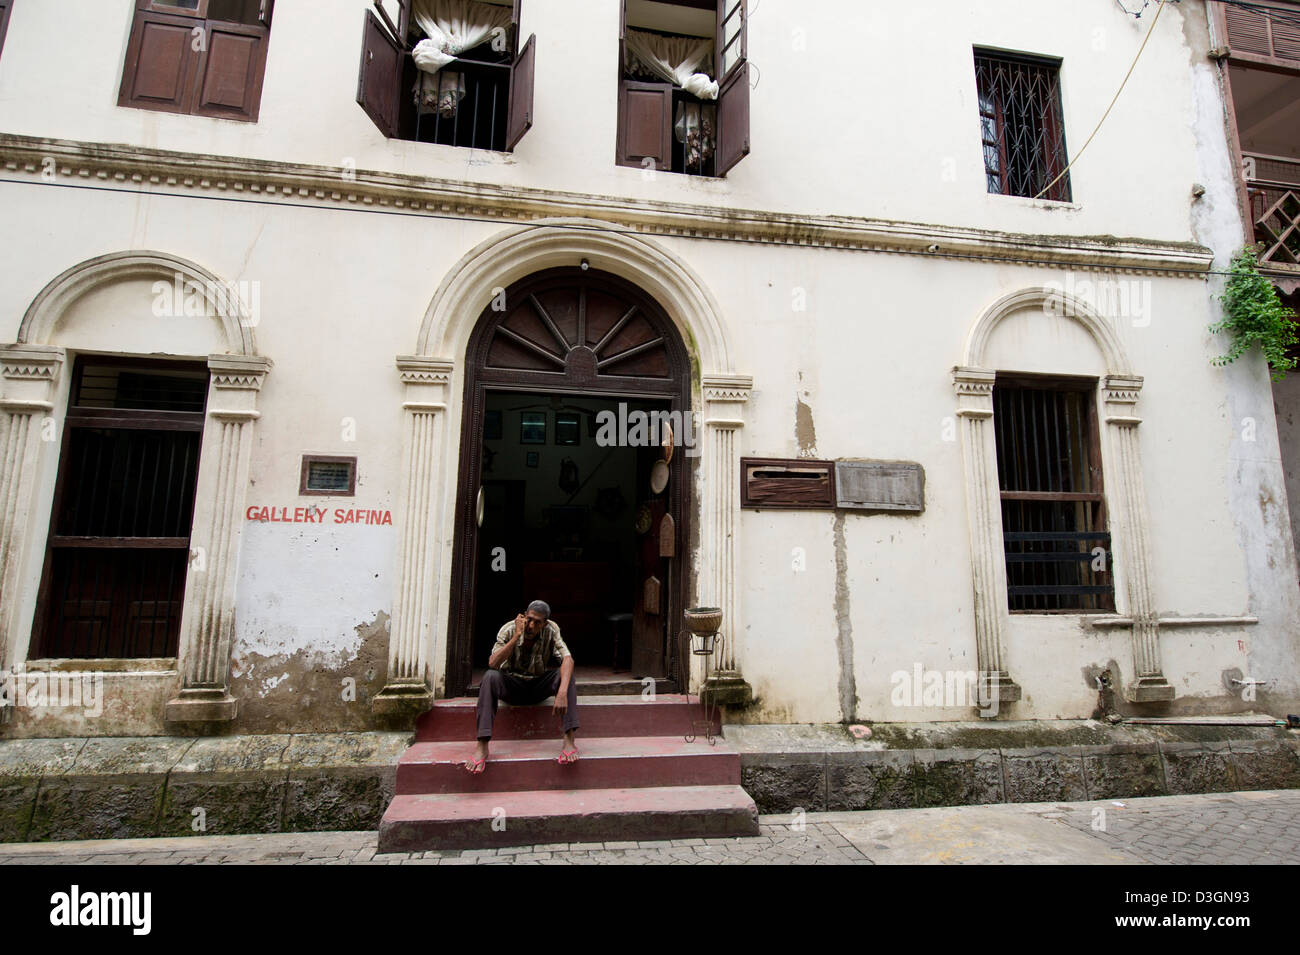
(1248, 31)
(732, 40)
(5, 6)
(161, 60)
(645, 126)
(232, 69)
(733, 120)
(380, 79)
(520, 114)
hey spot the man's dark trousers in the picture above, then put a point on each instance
(521, 691)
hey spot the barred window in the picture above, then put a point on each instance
(1054, 528)
(1021, 125)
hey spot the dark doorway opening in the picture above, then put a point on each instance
(571, 376)
(566, 521)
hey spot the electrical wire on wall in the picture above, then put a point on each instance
(1151, 29)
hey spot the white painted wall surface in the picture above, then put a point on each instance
(342, 292)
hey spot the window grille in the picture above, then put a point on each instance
(1021, 126)
(1054, 530)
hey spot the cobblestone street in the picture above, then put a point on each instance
(1213, 829)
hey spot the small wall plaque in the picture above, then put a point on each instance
(880, 486)
(328, 475)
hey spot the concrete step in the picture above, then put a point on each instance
(668, 714)
(606, 762)
(484, 820)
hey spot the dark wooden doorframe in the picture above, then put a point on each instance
(578, 352)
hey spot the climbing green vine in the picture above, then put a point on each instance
(1255, 315)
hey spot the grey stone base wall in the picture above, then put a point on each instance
(847, 780)
(136, 787)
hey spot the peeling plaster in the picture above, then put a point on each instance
(844, 626)
(805, 432)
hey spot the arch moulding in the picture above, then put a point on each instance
(436, 372)
(1125, 493)
(32, 371)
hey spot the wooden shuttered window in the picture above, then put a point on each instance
(648, 110)
(188, 62)
(495, 108)
(522, 72)
(380, 76)
(5, 7)
(645, 132)
(1256, 32)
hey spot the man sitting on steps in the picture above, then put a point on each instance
(528, 664)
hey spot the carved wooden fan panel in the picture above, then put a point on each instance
(579, 329)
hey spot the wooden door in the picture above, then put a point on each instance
(568, 331)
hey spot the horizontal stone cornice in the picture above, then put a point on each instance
(149, 170)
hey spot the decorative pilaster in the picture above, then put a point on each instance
(30, 377)
(208, 618)
(974, 387)
(426, 382)
(1121, 394)
(724, 406)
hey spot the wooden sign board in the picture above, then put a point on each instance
(787, 483)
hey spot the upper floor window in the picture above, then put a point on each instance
(447, 71)
(1054, 525)
(5, 7)
(205, 57)
(1021, 125)
(683, 101)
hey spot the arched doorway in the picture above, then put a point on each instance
(558, 365)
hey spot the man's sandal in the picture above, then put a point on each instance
(567, 756)
(475, 766)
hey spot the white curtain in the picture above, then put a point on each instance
(452, 27)
(675, 59)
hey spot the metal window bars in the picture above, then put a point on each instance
(1021, 125)
(463, 104)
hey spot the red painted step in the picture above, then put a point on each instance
(465, 820)
(606, 762)
(665, 715)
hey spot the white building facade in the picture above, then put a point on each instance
(302, 400)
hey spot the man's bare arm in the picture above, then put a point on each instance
(502, 654)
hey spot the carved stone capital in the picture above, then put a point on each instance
(419, 370)
(31, 362)
(974, 388)
(727, 388)
(238, 372)
(1121, 393)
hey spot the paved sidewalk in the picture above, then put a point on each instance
(1211, 829)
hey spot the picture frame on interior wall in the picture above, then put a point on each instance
(532, 427)
(568, 429)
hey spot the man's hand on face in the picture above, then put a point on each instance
(520, 623)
